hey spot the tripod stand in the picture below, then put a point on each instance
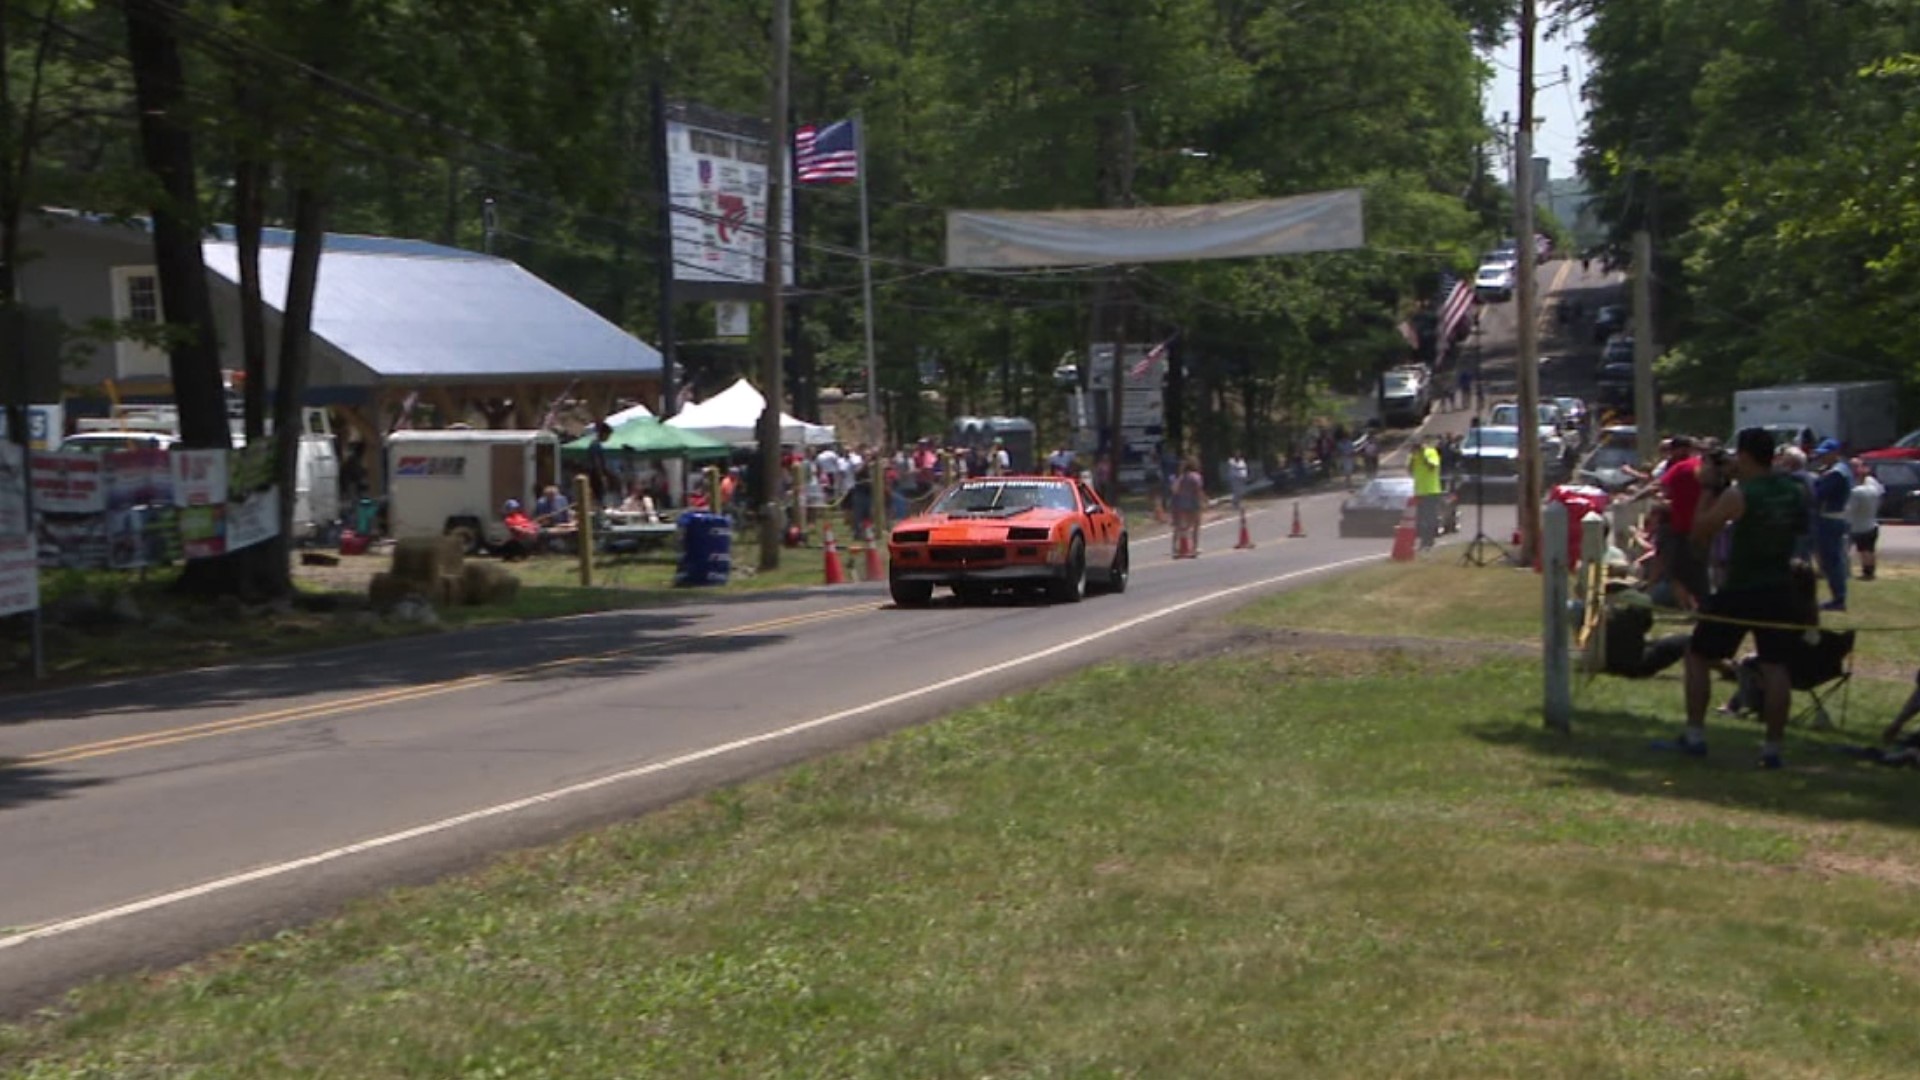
(1476, 552)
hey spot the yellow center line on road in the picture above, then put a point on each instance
(402, 694)
(361, 702)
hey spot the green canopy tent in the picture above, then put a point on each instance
(648, 437)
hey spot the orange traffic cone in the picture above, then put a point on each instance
(1405, 536)
(874, 570)
(1246, 538)
(1298, 533)
(836, 574)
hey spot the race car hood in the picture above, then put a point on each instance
(979, 527)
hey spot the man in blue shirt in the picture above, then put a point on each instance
(1830, 493)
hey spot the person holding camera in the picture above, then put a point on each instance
(1763, 513)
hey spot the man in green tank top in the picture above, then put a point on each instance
(1767, 513)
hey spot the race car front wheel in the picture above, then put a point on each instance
(909, 593)
(1071, 585)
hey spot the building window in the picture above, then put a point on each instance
(143, 298)
(136, 303)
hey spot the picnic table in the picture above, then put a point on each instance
(633, 530)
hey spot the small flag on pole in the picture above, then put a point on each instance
(826, 155)
(1145, 364)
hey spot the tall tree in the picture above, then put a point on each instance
(166, 150)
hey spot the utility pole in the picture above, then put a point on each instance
(663, 237)
(1528, 360)
(772, 368)
(1646, 432)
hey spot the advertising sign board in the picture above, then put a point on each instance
(717, 185)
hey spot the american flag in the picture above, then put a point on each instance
(1456, 302)
(826, 155)
(1145, 364)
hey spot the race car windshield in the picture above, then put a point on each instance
(1002, 500)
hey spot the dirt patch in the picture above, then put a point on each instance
(1215, 640)
(351, 575)
(1888, 871)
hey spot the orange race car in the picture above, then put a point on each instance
(1009, 532)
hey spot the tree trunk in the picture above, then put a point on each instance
(250, 215)
(296, 348)
(166, 150)
(19, 138)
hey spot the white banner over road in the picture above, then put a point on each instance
(1324, 221)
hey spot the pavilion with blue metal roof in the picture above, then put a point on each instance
(395, 321)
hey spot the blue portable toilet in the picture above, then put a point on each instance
(706, 549)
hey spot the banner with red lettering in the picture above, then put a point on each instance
(69, 483)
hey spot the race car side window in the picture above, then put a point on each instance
(1088, 498)
(1058, 497)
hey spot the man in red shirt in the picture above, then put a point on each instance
(1680, 490)
(523, 536)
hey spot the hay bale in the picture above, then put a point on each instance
(419, 559)
(449, 591)
(386, 590)
(488, 583)
(453, 553)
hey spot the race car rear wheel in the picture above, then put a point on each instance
(1071, 586)
(909, 593)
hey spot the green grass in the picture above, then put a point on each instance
(1324, 864)
(1438, 598)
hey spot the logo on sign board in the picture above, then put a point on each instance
(733, 216)
(421, 465)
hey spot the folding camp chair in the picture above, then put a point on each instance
(1819, 670)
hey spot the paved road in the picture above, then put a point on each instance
(142, 823)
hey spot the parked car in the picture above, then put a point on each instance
(1489, 468)
(1405, 396)
(1902, 481)
(1905, 448)
(1553, 442)
(1009, 532)
(1615, 383)
(1616, 450)
(1619, 350)
(1611, 319)
(1574, 415)
(1376, 509)
(1493, 284)
(1508, 257)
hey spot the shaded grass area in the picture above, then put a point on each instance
(1438, 598)
(173, 632)
(1265, 865)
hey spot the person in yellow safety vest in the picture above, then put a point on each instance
(1423, 461)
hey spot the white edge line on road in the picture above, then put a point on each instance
(232, 881)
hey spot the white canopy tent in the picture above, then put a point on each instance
(636, 412)
(733, 416)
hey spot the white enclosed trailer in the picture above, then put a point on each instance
(458, 482)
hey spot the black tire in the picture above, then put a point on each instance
(1071, 586)
(1120, 571)
(909, 593)
(469, 537)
